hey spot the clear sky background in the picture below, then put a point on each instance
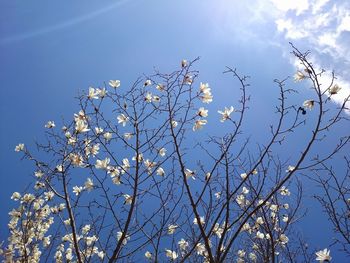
(50, 50)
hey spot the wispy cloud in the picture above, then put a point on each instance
(323, 27)
(62, 25)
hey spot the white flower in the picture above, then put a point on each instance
(217, 230)
(200, 249)
(38, 174)
(226, 113)
(290, 168)
(77, 189)
(201, 220)
(217, 195)
(183, 244)
(160, 87)
(334, 89)
(19, 147)
(202, 112)
(284, 191)
(122, 119)
(171, 254)
(188, 80)
(245, 190)
(171, 229)
(127, 136)
(241, 253)
(98, 130)
(89, 184)
(309, 104)
(148, 255)
(285, 218)
(126, 238)
(85, 229)
(243, 176)
(199, 124)
(148, 97)
(107, 136)
(174, 124)
(160, 171)
(148, 82)
(298, 76)
(114, 83)
(283, 239)
(102, 164)
(286, 206)
(16, 196)
(81, 126)
(92, 94)
(204, 88)
(50, 124)
(128, 199)
(101, 92)
(190, 173)
(259, 220)
(252, 256)
(184, 63)
(260, 235)
(59, 168)
(323, 255)
(240, 200)
(162, 152)
(205, 93)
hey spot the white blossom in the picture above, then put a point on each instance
(225, 114)
(323, 255)
(114, 83)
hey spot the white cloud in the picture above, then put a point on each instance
(323, 27)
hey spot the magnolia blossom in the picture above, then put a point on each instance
(243, 176)
(285, 218)
(81, 126)
(241, 253)
(101, 92)
(148, 97)
(89, 185)
(107, 136)
(102, 164)
(283, 239)
(200, 249)
(184, 63)
(190, 173)
(323, 255)
(205, 93)
(188, 79)
(92, 93)
(114, 83)
(160, 87)
(171, 254)
(183, 244)
(77, 189)
(122, 119)
(128, 199)
(334, 89)
(290, 168)
(162, 152)
(217, 195)
(226, 113)
(202, 112)
(284, 191)
(148, 255)
(199, 124)
(98, 130)
(16, 196)
(201, 220)
(260, 235)
(160, 171)
(309, 104)
(299, 76)
(174, 124)
(171, 229)
(148, 82)
(126, 237)
(50, 124)
(127, 136)
(217, 230)
(252, 256)
(19, 147)
(245, 190)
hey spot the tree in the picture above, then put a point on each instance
(125, 181)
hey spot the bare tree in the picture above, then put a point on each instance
(127, 181)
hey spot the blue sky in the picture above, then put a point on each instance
(52, 50)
